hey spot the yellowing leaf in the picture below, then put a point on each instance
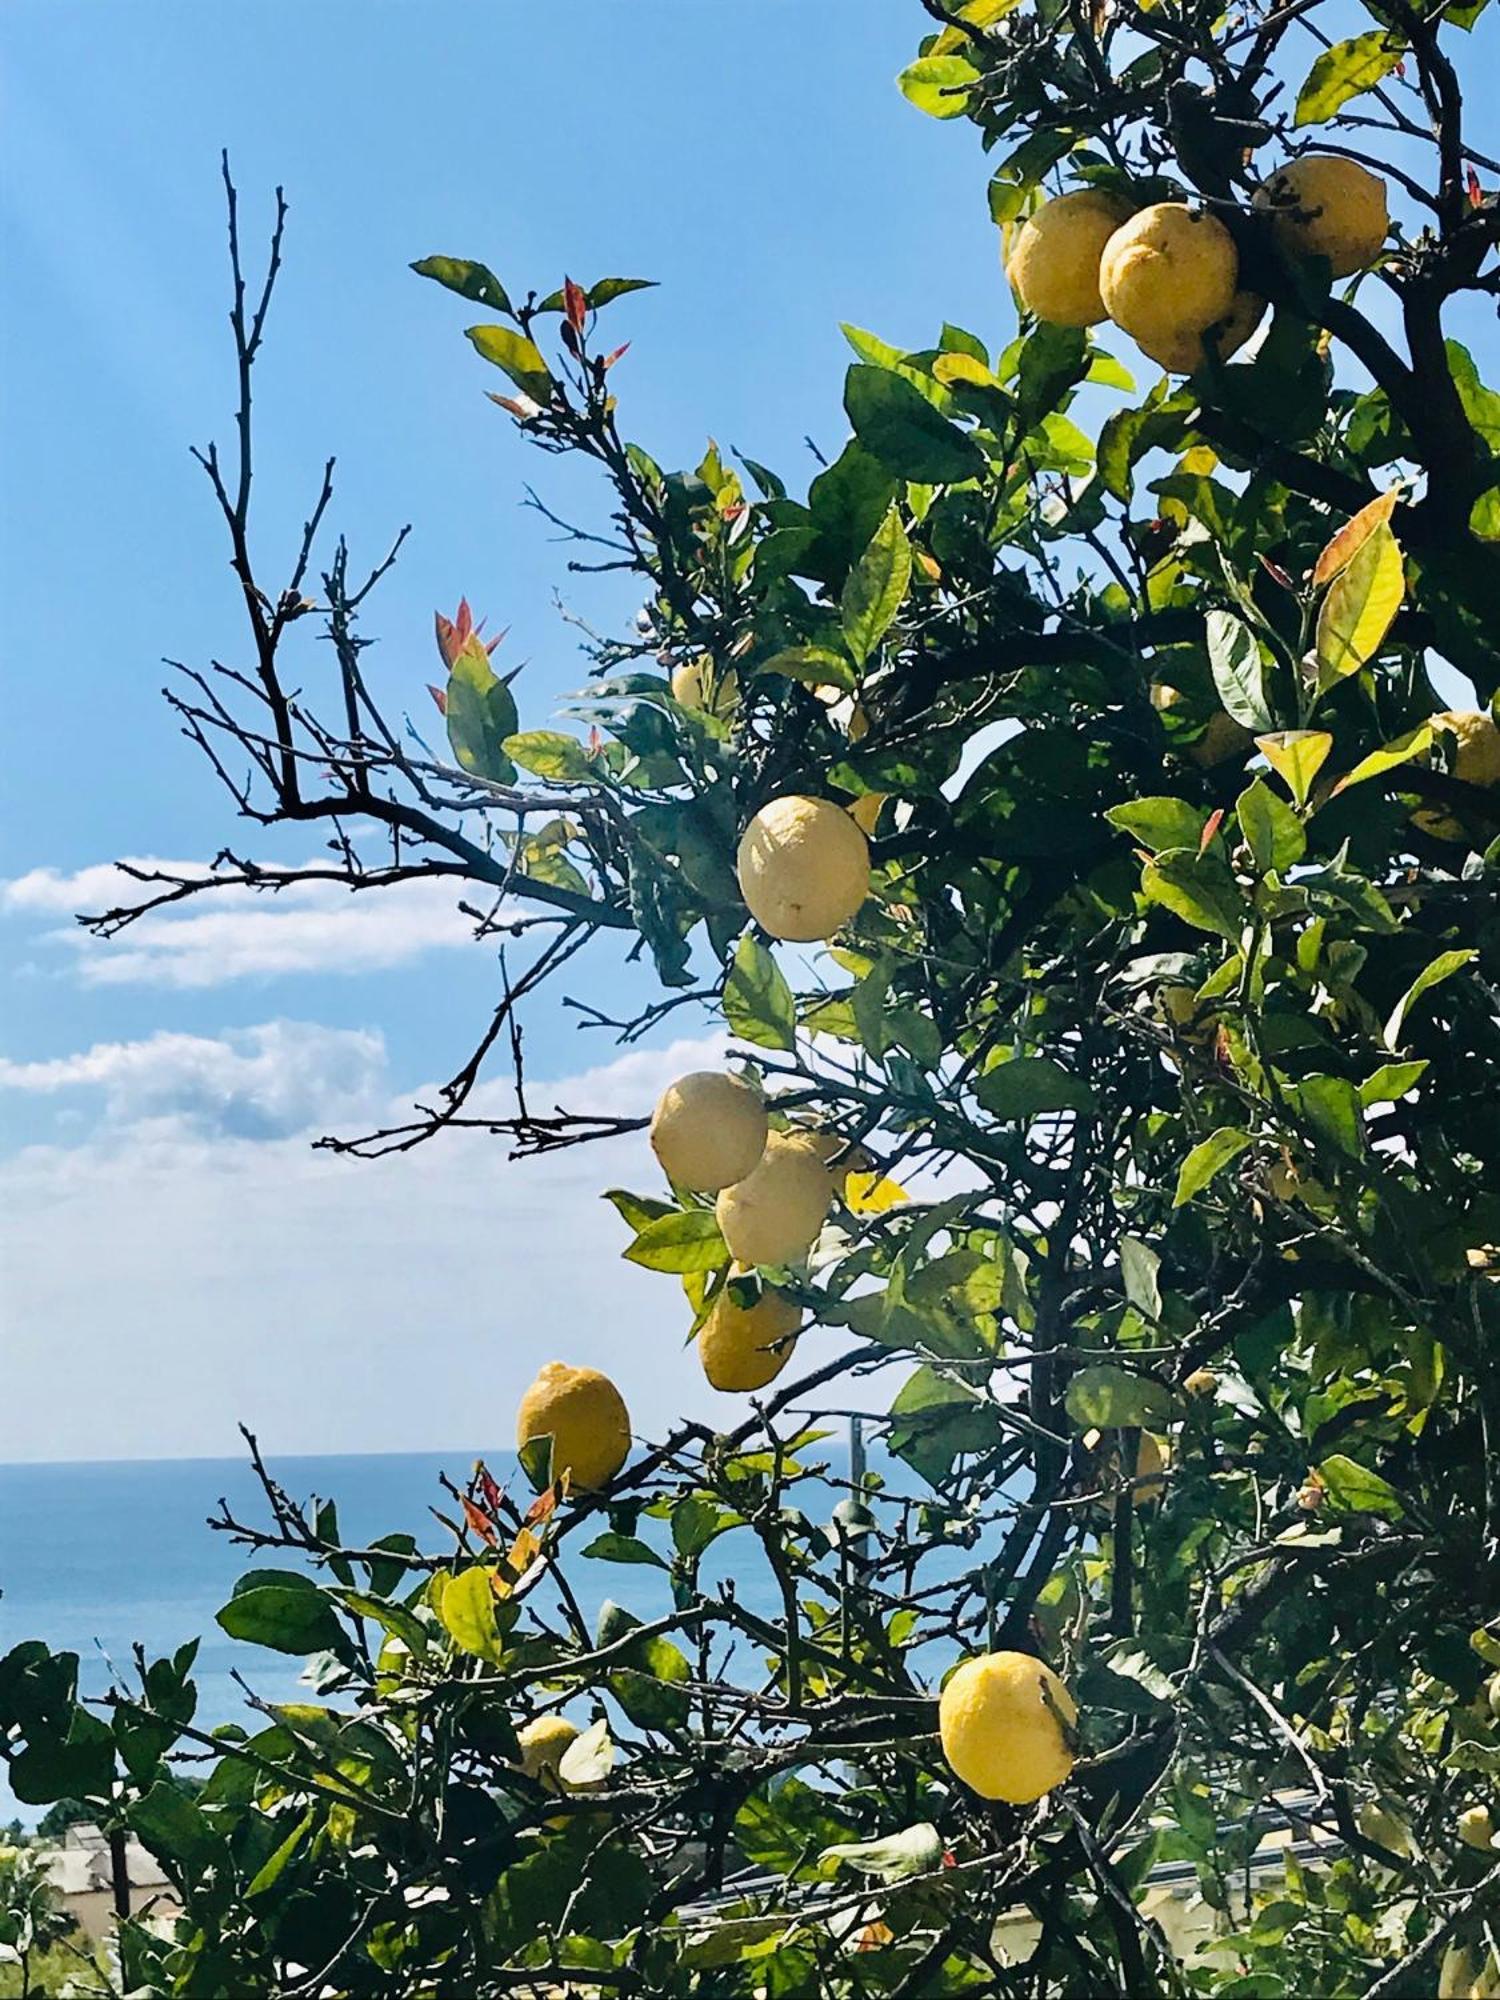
(1362, 600)
(952, 368)
(1296, 756)
(1400, 750)
(1352, 536)
(872, 1194)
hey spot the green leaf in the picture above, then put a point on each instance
(470, 281)
(548, 753)
(918, 1850)
(1296, 756)
(1160, 822)
(876, 588)
(1391, 1082)
(465, 1605)
(1273, 832)
(1026, 1085)
(1208, 1158)
(900, 428)
(1442, 967)
(624, 1549)
(1357, 1490)
(687, 1240)
(1361, 602)
(1331, 1105)
(758, 1003)
(696, 1523)
(939, 85)
(811, 666)
(1400, 750)
(519, 357)
(1198, 888)
(283, 1611)
(480, 713)
(1344, 71)
(271, 1870)
(1239, 674)
(1139, 1266)
(1107, 1397)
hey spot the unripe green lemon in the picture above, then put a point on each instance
(1001, 1718)
(804, 868)
(774, 1215)
(584, 1414)
(744, 1348)
(1054, 261)
(1168, 272)
(708, 1130)
(1323, 206)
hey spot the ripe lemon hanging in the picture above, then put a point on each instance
(1002, 1720)
(708, 1130)
(1477, 762)
(774, 1215)
(1322, 206)
(745, 1347)
(804, 868)
(543, 1742)
(584, 1414)
(1168, 273)
(1054, 261)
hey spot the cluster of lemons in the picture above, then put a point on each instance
(1168, 275)
(1005, 1718)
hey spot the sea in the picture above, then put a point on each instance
(97, 1559)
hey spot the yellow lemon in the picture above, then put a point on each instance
(1476, 1828)
(773, 1216)
(1183, 352)
(1054, 261)
(1151, 1461)
(1456, 1975)
(744, 1348)
(708, 1130)
(804, 868)
(1477, 762)
(584, 1414)
(1321, 206)
(1201, 1384)
(697, 684)
(543, 1742)
(1170, 271)
(1001, 1717)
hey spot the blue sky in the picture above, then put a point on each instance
(174, 1259)
(172, 1255)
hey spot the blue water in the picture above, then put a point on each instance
(98, 1558)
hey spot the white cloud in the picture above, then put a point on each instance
(163, 1280)
(234, 933)
(267, 1081)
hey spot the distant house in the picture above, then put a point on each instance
(79, 1872)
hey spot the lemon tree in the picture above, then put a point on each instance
(1076, 805)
